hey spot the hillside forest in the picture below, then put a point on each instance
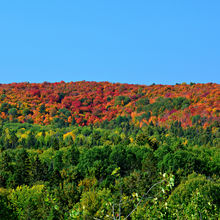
(100, 150)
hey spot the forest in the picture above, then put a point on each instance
(100, 150)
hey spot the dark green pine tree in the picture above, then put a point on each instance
(6, 168)
(6, 162)
(74, 155)
(31, 141)
(58, 160)
(14, 140)
(38, 171)
(22, 168)
(55, 178)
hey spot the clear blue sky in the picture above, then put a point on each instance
(131, 41)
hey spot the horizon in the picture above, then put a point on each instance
(62, 81)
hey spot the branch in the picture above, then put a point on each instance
(120, 206)
(143, 198)
(113, 207)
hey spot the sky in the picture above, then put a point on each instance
(127, 41)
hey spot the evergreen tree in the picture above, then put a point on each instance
(37, 170)
(31, 141)
(22, 168)
(6, 169)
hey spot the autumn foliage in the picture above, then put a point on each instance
(87, 103)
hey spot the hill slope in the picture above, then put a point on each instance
(87, 103)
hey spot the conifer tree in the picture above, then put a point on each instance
(22, 168)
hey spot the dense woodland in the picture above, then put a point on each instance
(88, 150)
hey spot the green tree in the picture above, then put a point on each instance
(22, 168)
(197, 198)
(38, 170)
(31, 202)
(6, 168)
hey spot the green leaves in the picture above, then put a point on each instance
(197, 198)
(116, 172)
